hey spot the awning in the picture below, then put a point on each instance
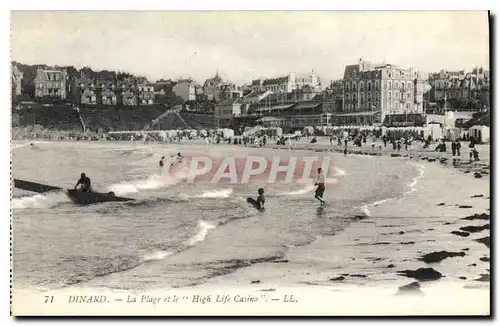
(271, 119)
(274, 108)
(356, 114)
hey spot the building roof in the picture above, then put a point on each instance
(256, 93)
(273, 81)
(305, 106)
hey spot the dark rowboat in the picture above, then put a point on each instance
(77, 196)
(33, 186)
(87, 198)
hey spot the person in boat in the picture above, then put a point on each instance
(85, 183)
(320, 182)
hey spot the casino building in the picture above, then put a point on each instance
(380, 94)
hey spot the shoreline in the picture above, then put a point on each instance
(390, 227)
(357, 259)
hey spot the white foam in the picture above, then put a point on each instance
(302, 191)
(338, 171)
(17, 145)
(222, 193)
(157, 255)
(366, 208)
(413, 184)
(202, 231)
(134, 186)
(39, 200)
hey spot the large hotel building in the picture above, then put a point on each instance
(375, 92)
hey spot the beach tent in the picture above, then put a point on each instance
(481, 133)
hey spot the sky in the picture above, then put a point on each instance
(245, 45)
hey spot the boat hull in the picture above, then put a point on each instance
(88, 198)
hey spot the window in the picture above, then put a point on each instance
(389, 85)
(376, 85)
(389, 97)
(369, 95)
(396, 85)
(409, 85)
(361, 86)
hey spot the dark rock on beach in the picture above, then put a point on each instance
(475, 228)
(466, 171)
(340, 278)
(407, 243)
(359, 217)
(422, 274)
(476, 196)
(462, 234)
(462, 277)
(412, 288)
(255, 282)
(484, 259)
(485, 241)
(437, 256)
(401, 232)
(358, 275)
(482, 216)
(473, 265)
(447, 223)
(441, 204)
(464, 206)
(390, 266)
(465, 249)
(395, 155)
(477, 175)
(483, 278)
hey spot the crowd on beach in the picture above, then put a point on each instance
(409, 140)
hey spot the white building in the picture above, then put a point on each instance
(186, 89)
(287, 84)
(256, 97)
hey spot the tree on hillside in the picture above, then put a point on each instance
(123, 75)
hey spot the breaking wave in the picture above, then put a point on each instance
(39, 200)
(157, 255)
(221, 193)
(202, 231)
(134, 186)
